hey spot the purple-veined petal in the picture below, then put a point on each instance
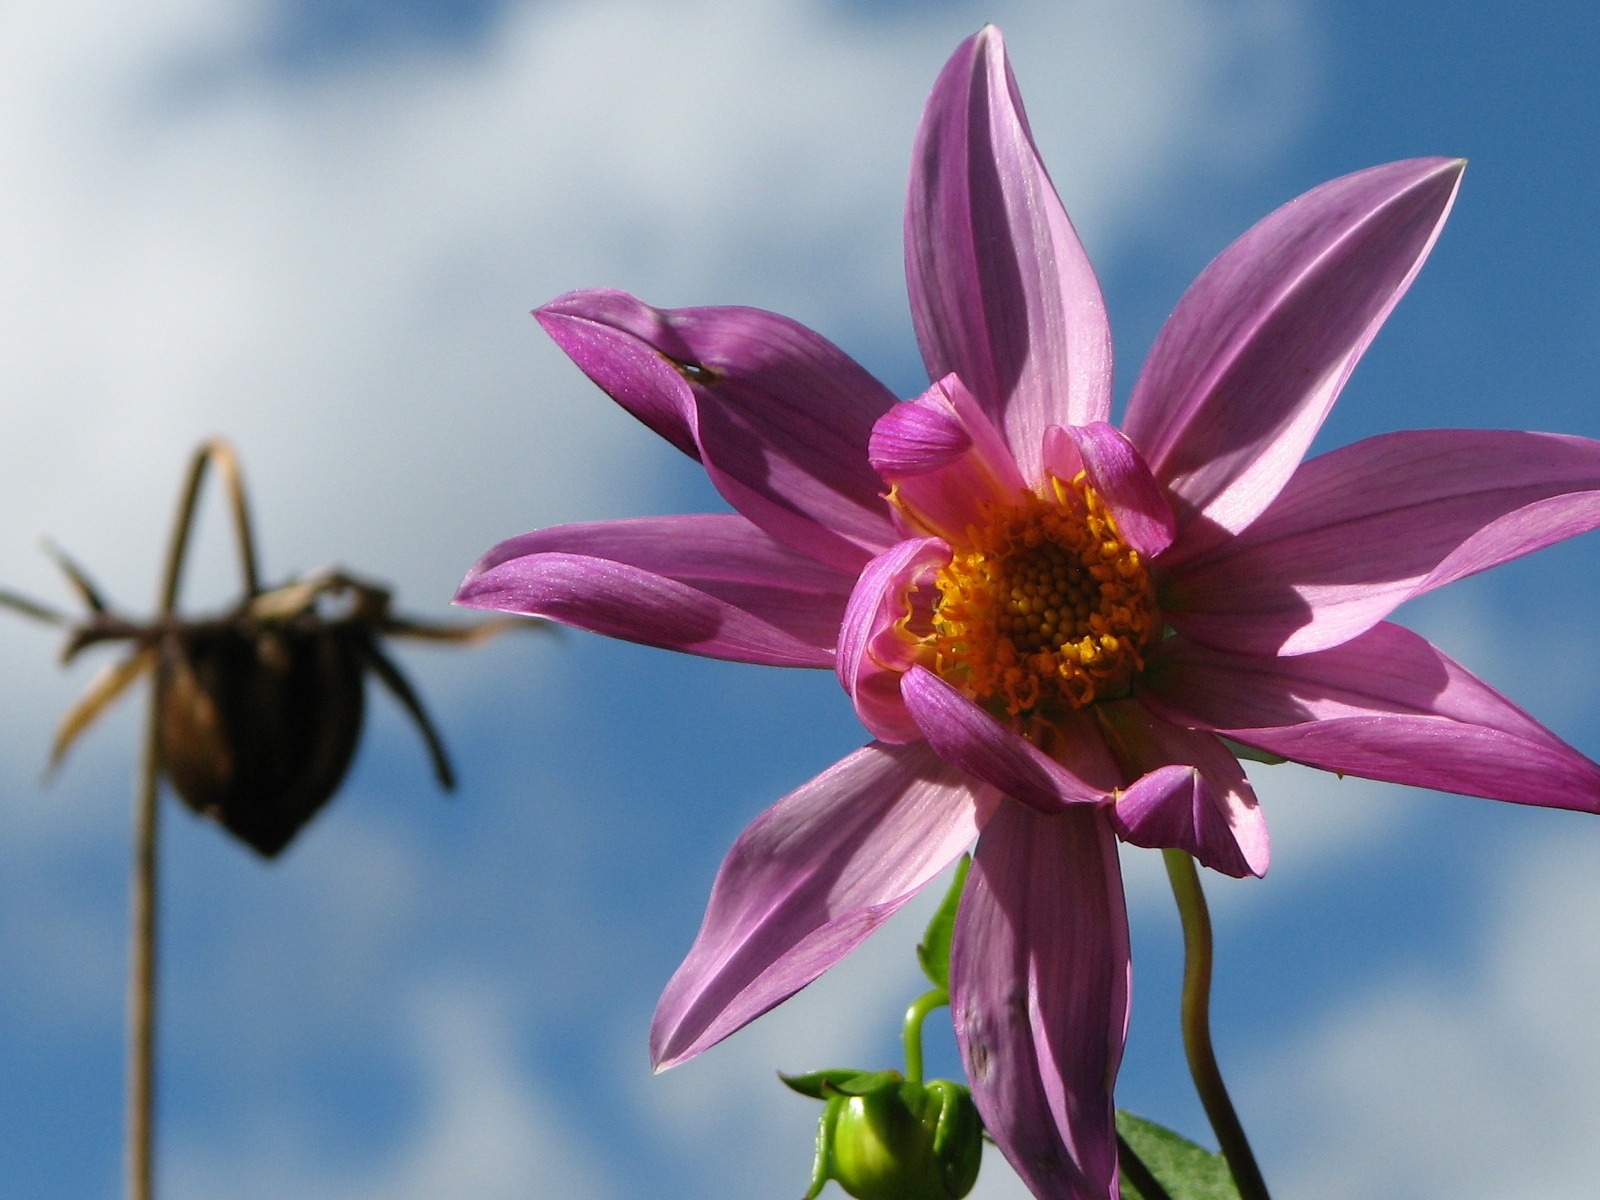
(720, 554)
(1116, 470)
(1002, 293)
(1039, 980)
(876, 645)
(780, 416)
(623, 601)
(944, 459)
(1248, 365)
(631, 353)
(967, 737)
(1189, 793)
(1362, 529)
(808, 881)
(1386, 705)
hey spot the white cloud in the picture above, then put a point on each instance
(334, 270)
(1474, 1085)
(485, 1132)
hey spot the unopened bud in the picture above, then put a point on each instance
(885, 1138)
(909, 1141)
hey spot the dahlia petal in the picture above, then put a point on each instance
(808, 881)
(913, 439)
(965, 736)
(1248, 365)
(944, 459)
(624, 601)
(1362, 529)
(1002, 293)
(617, 342)
(1386, 705)
(1039, 980)
(720, 554)
(1192, 794)
(1117, 471)
(874, 648)
(779, 415)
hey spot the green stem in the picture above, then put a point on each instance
(915, 1015)
(1196, 1020)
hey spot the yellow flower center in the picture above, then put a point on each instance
(1043, 606)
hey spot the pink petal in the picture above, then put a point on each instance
(808, 881)
(622, 601)
(875, 648)
(1191, 793)
(779, 415)
(944, 459)
(631, 353)
(1257, 350)
(1002, 293)
(967, 737)
(720, 555)
(1362, 529)
(1386, 705)
(1117, 471)
(1039, 978)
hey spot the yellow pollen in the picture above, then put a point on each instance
(1044, 605)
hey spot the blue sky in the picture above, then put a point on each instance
(318, 229)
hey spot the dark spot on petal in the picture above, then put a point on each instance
(980, 1061)
(694, 372)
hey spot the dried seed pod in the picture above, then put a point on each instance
(259, 710)
(259, 723)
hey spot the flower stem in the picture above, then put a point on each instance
(219, 453)
(142, 969)
(146, 814)
(1196, 1020)
(915, 1015)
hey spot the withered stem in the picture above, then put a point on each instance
(142, 967)
(227, 462)
(146, 813)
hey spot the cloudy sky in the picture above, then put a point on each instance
(317, 227)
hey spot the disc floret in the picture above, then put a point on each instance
(1044, 605)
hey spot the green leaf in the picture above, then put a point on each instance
(865, 1083)
(1185, 1170)
(934, 951)
(820, 1084)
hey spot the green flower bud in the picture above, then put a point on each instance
(908, 1141)
(884, 1138)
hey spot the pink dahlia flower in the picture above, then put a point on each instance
(1053, 629)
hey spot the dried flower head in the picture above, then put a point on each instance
(259, 708)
